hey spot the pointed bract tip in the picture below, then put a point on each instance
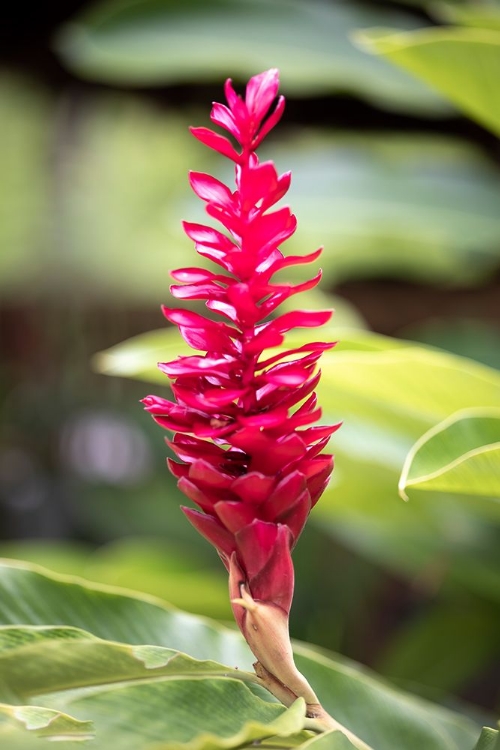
(245, 600)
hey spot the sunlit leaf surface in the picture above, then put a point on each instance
(460, 454)
(483, 15)
(388, 393)
(462, 63)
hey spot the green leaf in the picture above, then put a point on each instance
(42, 722)
(483, 16)
(151, 565)
(114, 683)
(386, 397)
(387, 392)
(136, 711)
(328, 741)
(463, 64)
(138, 357)
(158, 42)
(489, 739)
(460, 454)
(386, 400)
(206, 714)
(121, 688)
(30, 598)
(36, 662)
(407, 385)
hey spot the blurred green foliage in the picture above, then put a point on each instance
(415, 207)
(163, 41)
(463, 63)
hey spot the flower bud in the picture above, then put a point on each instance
(265, 627)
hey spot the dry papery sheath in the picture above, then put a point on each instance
(250, 454)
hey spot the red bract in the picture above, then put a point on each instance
(250, 458)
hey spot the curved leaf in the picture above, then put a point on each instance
(146, 564)
(387, 392)
(483, 16)
(28, 597)
(204, 714)
(134, 694)
(138, 357)
(460, 454)
(138, 710)
(44, 660)
(161, 42)
(461, 63)
(489, 740)
(42, 723)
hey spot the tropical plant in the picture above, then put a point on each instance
(82, 662)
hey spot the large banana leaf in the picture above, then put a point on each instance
(154, 566)
(105, 656)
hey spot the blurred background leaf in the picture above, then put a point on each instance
(483, 15)
(461, 63)
(161, 41)
(25, 139)
(414, 207)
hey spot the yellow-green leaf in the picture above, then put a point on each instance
(480, 15)
(460, 454)
(461, 63)
(41, 723)
(147, 704)
(489, 739)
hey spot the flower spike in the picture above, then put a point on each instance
(249, 457)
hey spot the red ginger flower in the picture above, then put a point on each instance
(251, 460)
